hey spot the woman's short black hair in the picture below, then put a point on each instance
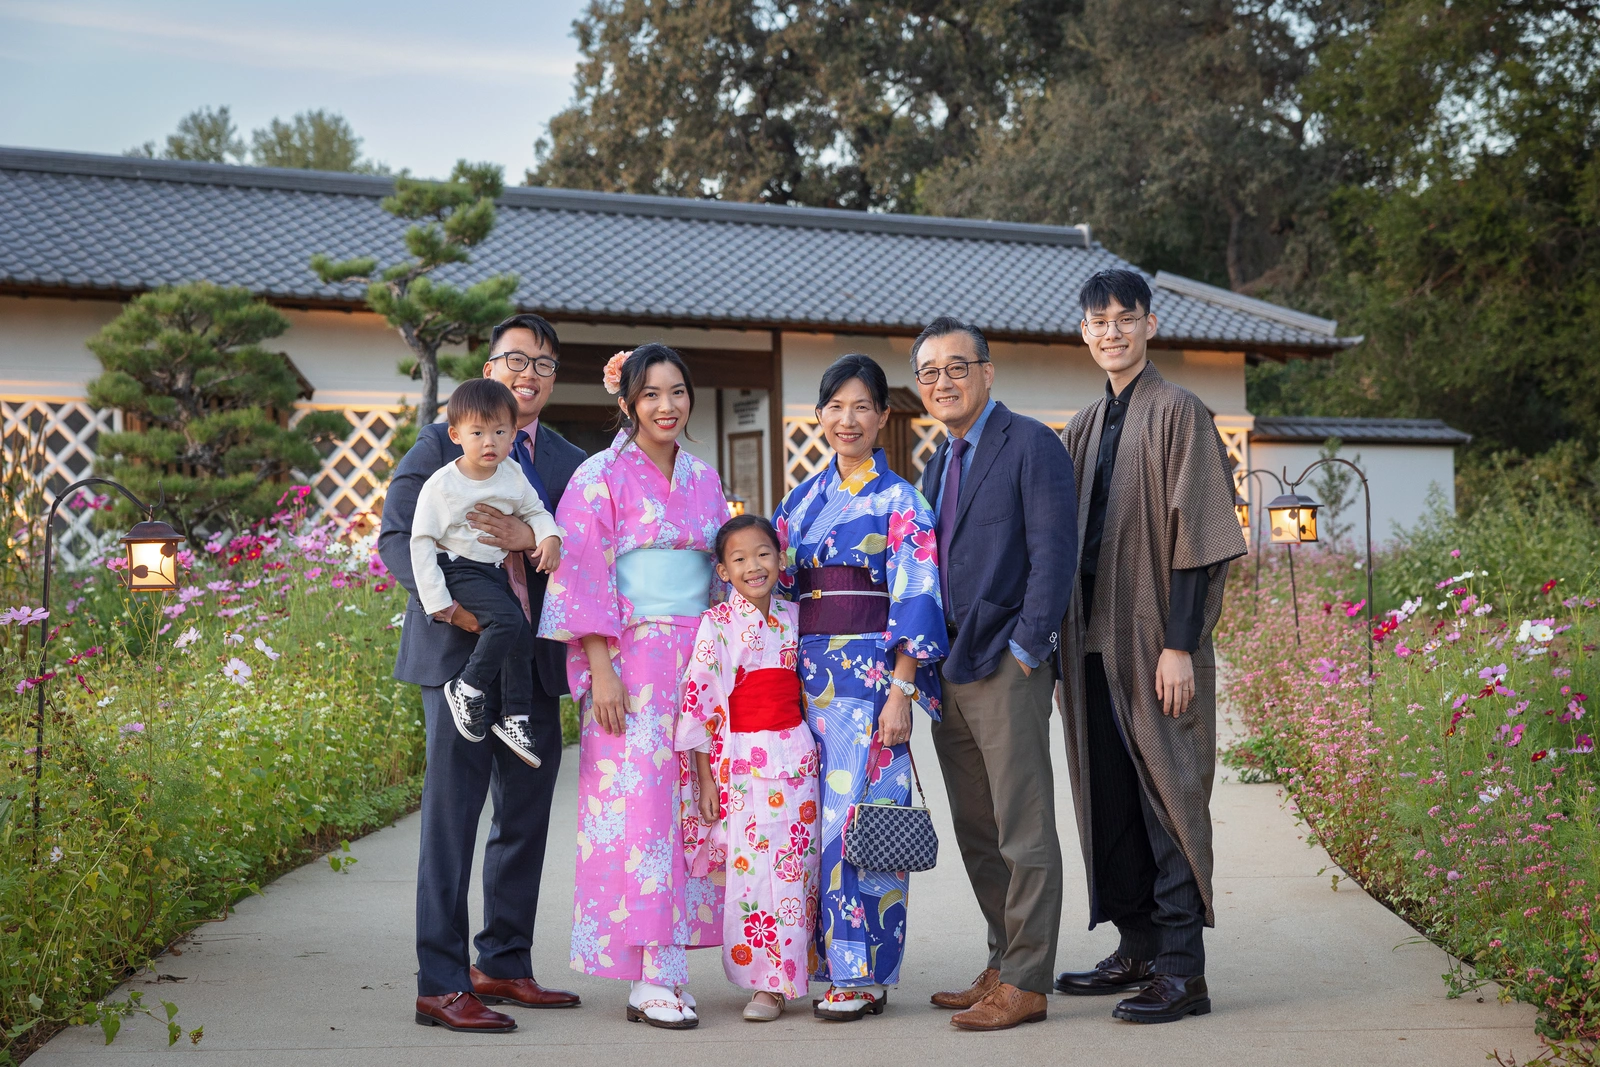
(1127, 287)
(864, 369)
(636, 368)
(481, 398)
(743, 522)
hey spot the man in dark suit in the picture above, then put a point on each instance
(524, 356)
(1005, 512)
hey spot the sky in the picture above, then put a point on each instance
(422, 83)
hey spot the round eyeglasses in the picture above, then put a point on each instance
(543, 366)
(1126, 324)
(956, 369)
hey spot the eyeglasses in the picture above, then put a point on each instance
(956, 369)
(543, 366)
(1126, 324)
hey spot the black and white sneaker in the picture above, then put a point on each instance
(467, 711)
(514, 732)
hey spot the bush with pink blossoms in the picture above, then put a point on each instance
(1457, 784)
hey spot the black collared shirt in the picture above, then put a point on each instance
(1187, 601)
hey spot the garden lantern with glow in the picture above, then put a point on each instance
(735, 505)
(1241, 510)
(152, 557)
(1292, 519)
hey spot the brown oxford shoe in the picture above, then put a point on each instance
(1005, 1006)
(966, 998)
(525, 992)
(463, 1012)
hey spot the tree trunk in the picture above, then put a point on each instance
(1235, 227)
(428, 367)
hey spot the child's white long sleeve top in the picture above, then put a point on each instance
(440, 523)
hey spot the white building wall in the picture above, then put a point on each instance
(1401, 477)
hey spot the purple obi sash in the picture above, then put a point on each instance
(841, 600)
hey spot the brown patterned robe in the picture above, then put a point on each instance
(1170, 507)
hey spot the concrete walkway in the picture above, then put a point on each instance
(320, 970)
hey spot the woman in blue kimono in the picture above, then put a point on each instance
(860, 561)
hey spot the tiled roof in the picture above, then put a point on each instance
(1316, 429)
(107, 223)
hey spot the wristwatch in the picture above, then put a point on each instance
(907, 688)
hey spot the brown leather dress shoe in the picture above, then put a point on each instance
(525, 992)
(463, 1012)
(1005, 1006)
(966, 998)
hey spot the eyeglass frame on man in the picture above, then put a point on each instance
(1132, 320)
(949, 370)
(529, 361)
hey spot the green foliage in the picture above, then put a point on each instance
(1171, 127)
(203, 135)
(449, 218)
(835, 105)
(187, 362)
(175, 782)
(313, 140)
(1516, 545)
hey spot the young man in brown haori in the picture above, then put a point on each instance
(1157, 527)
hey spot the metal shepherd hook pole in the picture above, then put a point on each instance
(44, 630)
(1367, 493)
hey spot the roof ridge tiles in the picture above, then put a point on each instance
(539, 197)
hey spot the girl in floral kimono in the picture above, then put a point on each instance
(859, 541)
(750, 817)
(640, 518)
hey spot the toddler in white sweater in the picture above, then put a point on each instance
(451, 564)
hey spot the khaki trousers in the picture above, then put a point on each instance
(994, 747)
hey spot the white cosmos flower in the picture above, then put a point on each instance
(187, 638)
(236, 670)
(266, 650)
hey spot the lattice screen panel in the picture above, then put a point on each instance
(70, 429)
(1236, 438)
(355, 471)
(806, 451)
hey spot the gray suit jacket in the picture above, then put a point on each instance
(432, 653)
(1013, 556)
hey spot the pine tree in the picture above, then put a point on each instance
(203, 135)
(187, 362)
(450, 218)
(313, 140)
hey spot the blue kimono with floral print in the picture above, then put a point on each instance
(878, 520)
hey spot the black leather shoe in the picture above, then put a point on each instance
(1168, 998)
(1114, 974)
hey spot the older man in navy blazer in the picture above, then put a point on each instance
(524, 356)
(1005, 512)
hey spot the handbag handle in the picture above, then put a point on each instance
(866, 779)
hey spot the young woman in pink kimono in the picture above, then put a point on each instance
(640, 518)
(751, 820)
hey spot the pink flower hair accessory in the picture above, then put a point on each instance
(613, 372)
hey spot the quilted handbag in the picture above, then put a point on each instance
(892, 837)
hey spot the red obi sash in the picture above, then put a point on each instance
(767, 699)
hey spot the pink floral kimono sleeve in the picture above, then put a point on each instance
(703, 727)
(581, 598)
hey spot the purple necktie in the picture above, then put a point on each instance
(949, 498)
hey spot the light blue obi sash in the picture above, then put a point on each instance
(665, 581)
